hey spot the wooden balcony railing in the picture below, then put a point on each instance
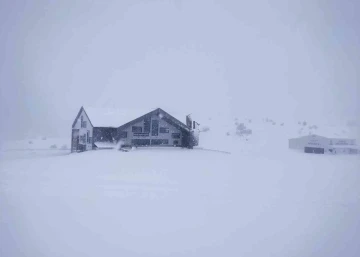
(141, 134)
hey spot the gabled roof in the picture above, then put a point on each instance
(109, 117)
(346, 146)
(305, 136)
(78, 115)
(325, 131)
(163, 115)
(115, 118)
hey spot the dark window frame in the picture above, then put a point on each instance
(155, 127)
(176, 135)
(164, 130)
(140, 142)
(136, 129)
(88, 136)
(147, 124)
(83, 139)
(159, 141)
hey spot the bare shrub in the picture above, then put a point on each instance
(205, 129)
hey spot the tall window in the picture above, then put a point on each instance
(88, 136)
(147, 122)
(83, 122)
(154, 127)
(83, 139)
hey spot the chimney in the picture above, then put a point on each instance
(189, 122)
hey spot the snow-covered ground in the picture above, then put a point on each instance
(260, 200)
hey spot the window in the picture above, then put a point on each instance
(159, 142)
(164, 130)
(155, 128)
(83, 139)
(175, 135)
(140, 142)
(88, 136)
(193, 124)
(136, 129)
(81, 121)
(147, 122)
(123, 134)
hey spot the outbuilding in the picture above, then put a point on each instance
(320, 144)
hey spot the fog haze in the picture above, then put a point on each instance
(253, 58)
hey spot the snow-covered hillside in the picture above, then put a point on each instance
(260, 199)
(221, 132)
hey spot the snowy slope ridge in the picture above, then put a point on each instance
(260, 200)
(218, 132)
(39, 143)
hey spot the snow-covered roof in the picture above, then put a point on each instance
(105, 145)
(110, 117)
(346, 146)
(328, 132)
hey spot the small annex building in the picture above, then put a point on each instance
(95, 128)
(321, 145)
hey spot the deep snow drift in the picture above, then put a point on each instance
(260, 200)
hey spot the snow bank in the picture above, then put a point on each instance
(40, 143)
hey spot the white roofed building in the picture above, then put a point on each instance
(321, 144)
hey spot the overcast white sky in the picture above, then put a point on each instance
(291, 58)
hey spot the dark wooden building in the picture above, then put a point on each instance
(105, 128)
